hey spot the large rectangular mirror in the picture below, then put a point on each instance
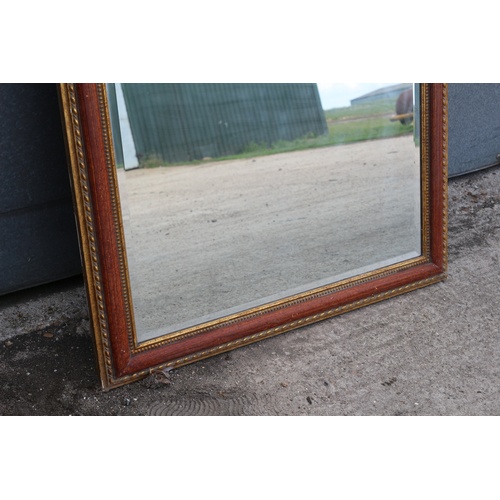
(216, 215)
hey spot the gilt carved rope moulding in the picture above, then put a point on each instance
(121, 356)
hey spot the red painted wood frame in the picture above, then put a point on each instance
(121, 359)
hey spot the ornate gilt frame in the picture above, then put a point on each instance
(121, 359)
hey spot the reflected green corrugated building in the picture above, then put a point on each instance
(183, 122)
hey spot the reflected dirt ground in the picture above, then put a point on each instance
(208, 240)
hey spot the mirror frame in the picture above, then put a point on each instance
(120, 358)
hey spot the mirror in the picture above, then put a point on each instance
(215, 215)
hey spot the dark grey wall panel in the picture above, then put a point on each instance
(38, 246)
(38, 240)
(31, 146)
(474, 126)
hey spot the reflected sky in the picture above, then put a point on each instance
(338, 95)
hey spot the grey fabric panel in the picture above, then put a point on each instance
(474, 126)
(38, 240)
(38, 246)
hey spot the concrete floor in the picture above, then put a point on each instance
(434, 351)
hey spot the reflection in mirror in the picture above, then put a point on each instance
(237, 195)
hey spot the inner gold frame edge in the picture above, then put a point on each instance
(272, 306)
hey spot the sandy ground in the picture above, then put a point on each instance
(213, 239)
(435, 351)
